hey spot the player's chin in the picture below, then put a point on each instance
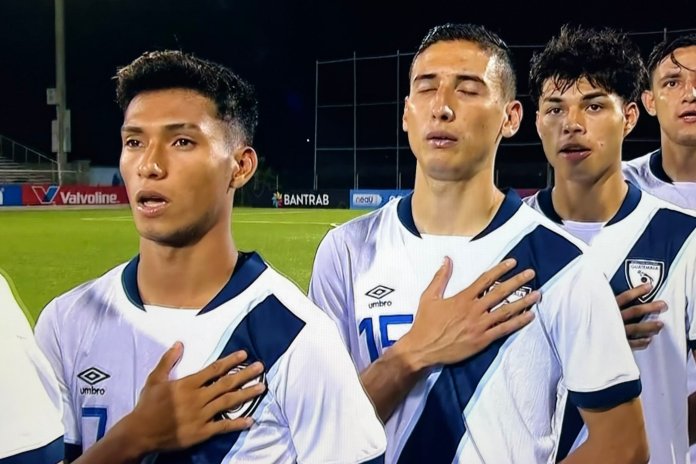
(687, 136)
(172, 236)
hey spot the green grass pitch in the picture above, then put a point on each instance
(46, 252)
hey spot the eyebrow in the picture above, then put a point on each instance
(168, 128)
(671, 74)
(459, 78)
(588, 96)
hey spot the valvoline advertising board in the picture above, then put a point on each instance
(33, 195)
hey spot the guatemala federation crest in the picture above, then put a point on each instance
(644, 271)
(514, 296)
(248, 408)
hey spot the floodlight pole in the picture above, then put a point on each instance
(60, 85)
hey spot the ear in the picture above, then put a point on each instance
(404, 123)
(536, 123)
(513, 118)
(245, 163)
(648, 98)
(631, 114)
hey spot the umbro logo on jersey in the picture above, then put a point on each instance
(92, 376)
(514, 296)
(378, 293)
(643, 271)
(248, 408)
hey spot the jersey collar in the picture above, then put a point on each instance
(629, 204)
(656, 167)
(511, 203)
(248, 268)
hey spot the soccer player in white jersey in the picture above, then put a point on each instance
(506, 403)
(669, 172)
(166, 417)
(187, 133)
(586, 84)
(30, 427)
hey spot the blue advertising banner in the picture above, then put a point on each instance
(10, 195)
(371, 199)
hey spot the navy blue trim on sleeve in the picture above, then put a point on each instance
(377, 460)
(72, 452)
(50, 453)
(607, 398)
(691, 344)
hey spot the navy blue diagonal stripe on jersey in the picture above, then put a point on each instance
(661, 241)
(440, 427)
(248, 268)
(265, 334)
(50, 453)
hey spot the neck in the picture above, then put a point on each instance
(455, 207)
(186, 277)
(678, 161)
(596, 201)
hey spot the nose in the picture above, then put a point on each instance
(691, 91)
(442, 107)
(574, 122)
(152, 164)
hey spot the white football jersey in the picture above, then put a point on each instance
(649, 240)
(103, 343)
(505, 404)
(30, 419)
(648, 174)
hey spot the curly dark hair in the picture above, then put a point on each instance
(234, 98)
(606, 58)
(666, 49)
(489, 42)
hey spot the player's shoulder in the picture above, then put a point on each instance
(289, 295)
(637, 170)
(639, 161)
(316, 324)
(362, 227)
(669, 224)
(82, 298)
(668, 208)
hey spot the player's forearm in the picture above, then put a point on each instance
(692, 418)
(390, 378)
(121, 445)
(615, 435)
(604, 451)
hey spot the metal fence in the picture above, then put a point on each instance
(358, 141)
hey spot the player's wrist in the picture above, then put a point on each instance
(131, 440)
(410, 359)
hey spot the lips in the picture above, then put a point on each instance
(574, 151)
(688, 115)
(151, 203)
(441, 139)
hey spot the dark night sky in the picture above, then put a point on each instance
(274, 44)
